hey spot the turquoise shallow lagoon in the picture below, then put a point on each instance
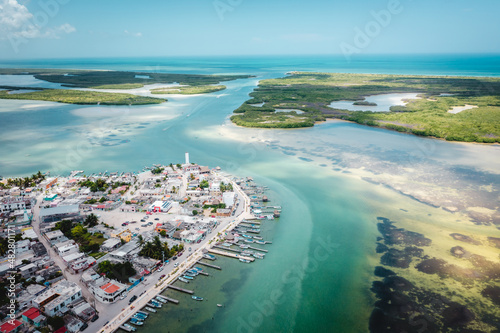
(319, 269)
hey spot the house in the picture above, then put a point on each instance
(73, 324)
(66, 248)
(59, 213)
(11, 326)
(191, 236)
(62, 330)
(108, 292)
(28, 270)
(55, 300)
(124, 234)
(34, 317)
(82, 264)
(84, 311)
(223, 212)
(111, 244)
(229, 198)
(55, 236)
(22, 246)
(25, 297)
(128, 208)
(204, 170)
(10, 204)
(39, 249)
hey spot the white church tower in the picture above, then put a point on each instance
(187, 158)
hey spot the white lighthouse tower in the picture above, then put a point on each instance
(187, 158)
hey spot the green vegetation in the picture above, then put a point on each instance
(188, 90)
(157, 171)
(428, 116)
(82, 97)
(92, 79)
(156, 249)
(120, 86)
(226, 187)
(364, 103)
(25, 182)
(91, 220)
(99, 185)
(119, 271)
(204, 184)
(88, 242)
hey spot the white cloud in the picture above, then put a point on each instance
(134, 34)
(16, 21)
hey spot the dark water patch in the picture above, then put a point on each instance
(289, 153)
(400, 236)
(140, 127)
(383, 272)
(400, 258)
(431, 266)
(494, 241)
(381, 248)
(465, 239)
(323, 165)
(459, 252)
(493, 293)
(305, 159)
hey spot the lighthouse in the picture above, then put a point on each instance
(187, 158)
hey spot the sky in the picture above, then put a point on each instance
(37, 29)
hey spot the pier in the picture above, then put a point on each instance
(171, 300)
(208, 265)
(256, 248)
(180, 289)
(230, 255)
(227, 248)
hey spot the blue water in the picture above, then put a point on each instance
(312, 173)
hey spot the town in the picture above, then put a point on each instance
(88, 251)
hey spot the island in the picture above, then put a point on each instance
(430, 115)
(188, 90)
(116, 80)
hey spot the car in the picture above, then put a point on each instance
(124, 224)
(160, 269)
(189, 249)
(174, 258)
(94, 318)
(133, 222)
(123, 296)
(144, 225)
(143, 220)
(162, 276)
(84, 326)
(157, 219)
(137, 229)
(150, 223)
(130, 301)
(176, 264)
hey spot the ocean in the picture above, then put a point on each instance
(332, 181)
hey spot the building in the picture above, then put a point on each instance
(10, 204)
(191, 236)
(55, 300)
(108, 292)
(11, 326)
(229, 198)
(28, 270)
(160, 207)
(73, 324)
(48, 183)
(25, 297)
(67, 247)
(55, 236)
(111, 244)
(34, 317)
(59, 213)
(167, 227)
(84, 311)
(124, 234)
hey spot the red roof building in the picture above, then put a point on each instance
(11, 326)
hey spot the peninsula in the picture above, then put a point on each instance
(309, 98)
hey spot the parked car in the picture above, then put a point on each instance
(176, 264)
(143, 220)
(84, 326)
(162, 276)
(133, 222)
(174, 258)
(131, 300)
(94, 318)
(157, 219)
(144, 225)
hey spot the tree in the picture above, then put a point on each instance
(140, 240)
(178, 166)
(195, 212)
(65, 226)
(191, 177)
(163, 233)
(91, 220)
(204, 184)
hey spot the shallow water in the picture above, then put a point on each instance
(383, 101)
(320, 265)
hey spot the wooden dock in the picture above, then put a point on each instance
(171, 300)
(256, 248)
(227, 248)
(208, 265)
(230, 255)
(180, 289)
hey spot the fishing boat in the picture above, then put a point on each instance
(141, 313)
(136, 322)
(244, 246)
(244, 260)
(260, 242)
(150, 304)
(150, 309)
(257, 237)
(161, 300)
(196, 298)
(219, 305)
(209, 256)
(198, 269)
(139, 317)
(249, 241)
(258, 256)
(183, 280)
(156, 303)
(129, 328)
(188, 277)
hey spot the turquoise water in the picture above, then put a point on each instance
(318, 272)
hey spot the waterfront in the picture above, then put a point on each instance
(316, 174)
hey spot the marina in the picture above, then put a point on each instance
(180, 289)
(208, 265)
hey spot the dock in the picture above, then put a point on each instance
(171, 300)
(180, 289)
(208, 265)
(227, 248)
(256, 248)
(230, 255)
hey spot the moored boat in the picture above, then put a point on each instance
(150, 309)
(183, 280)
(196, 298)
(188, 277)
(244, 260)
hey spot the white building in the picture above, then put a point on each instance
(56, 300)
(108, 292)
(55, 236)
(160, 206)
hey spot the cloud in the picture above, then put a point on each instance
(16, 21)
(134, 34)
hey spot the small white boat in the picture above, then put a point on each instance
(150, 309)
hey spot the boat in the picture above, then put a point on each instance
(244, 260)
(258, 256)
(141, 313)
(260, 242)
(156, 303)
(196, 298)
(244, 246)
(198, 269)
(249, 241)
(257, 237)
(161, 300)
(188, 277)
(150, 309)
(129, 328)
(183, 280)
(151, 305)
(136, 321)
(139, 317)
(209, 256)
(219, 305)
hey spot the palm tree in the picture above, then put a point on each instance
(140, 240)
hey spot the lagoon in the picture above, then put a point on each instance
(383, 101)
